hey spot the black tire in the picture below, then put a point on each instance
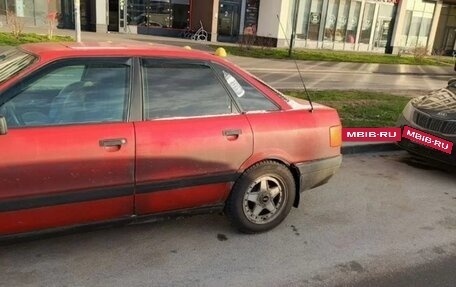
(270, 184)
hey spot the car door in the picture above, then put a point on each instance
(192, 141)
(68, 157)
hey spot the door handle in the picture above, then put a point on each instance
(231, 133)
(113, 142)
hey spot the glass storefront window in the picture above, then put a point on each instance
(452, 9)
(352, 24)
(11, 5)
(2, 8)
(331, 17)
(425, 29)
(180, 13)
(314, 20)
(429, 8)
(303, 19)
(418, 22)
(41, 10)
(158, 13)
(382, 30)
(23, 8)
(410, 4)
(342, 21)
(419, 5)
(414, 29)
(445, 34)
(367, 23)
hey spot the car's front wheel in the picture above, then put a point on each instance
(261, 198)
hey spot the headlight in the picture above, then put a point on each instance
(408, 111)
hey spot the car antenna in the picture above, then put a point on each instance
(297, 68)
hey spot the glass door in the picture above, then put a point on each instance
(228, 23)
(383, 27)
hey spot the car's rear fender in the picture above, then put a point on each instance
(292, 137)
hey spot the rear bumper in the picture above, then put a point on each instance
(318, 172)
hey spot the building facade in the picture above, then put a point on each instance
(389, 26)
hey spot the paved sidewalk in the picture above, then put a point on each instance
(284, 66)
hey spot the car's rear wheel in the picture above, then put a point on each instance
(261, 198)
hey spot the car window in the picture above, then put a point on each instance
(13, 61)
(59, 78)
(250, 99)
(72, 93)
(183, 90)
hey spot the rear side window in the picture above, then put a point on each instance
(12, 62)
(173, 89)
(249, 98)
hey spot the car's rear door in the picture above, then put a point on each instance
(67, 159)
(192, 141)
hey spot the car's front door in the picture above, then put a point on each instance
(192, 141)
(68, 156)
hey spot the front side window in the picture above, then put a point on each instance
(73, 93)
(249, 98)
(12, 62)
(173, 89)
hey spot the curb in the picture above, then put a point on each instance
(366, 148)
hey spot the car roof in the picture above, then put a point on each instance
(106, 49)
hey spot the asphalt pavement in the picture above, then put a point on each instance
(440, 273)
(382, 219)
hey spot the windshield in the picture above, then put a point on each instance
(12, 62)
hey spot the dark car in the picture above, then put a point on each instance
(434, 114)
(93, 133)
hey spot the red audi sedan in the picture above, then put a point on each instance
(93, 133)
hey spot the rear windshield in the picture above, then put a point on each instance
(12, 62)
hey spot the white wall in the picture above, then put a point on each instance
(268, 25)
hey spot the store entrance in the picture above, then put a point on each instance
(228, 22)
(113, 15)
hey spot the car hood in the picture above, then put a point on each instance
(440, 103)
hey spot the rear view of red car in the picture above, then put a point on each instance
(94, 133)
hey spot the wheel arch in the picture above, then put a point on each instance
(294, 171)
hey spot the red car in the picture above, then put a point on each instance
(93, 133)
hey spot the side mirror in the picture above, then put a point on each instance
(3, 126)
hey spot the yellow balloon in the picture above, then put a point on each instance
(221, 52)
